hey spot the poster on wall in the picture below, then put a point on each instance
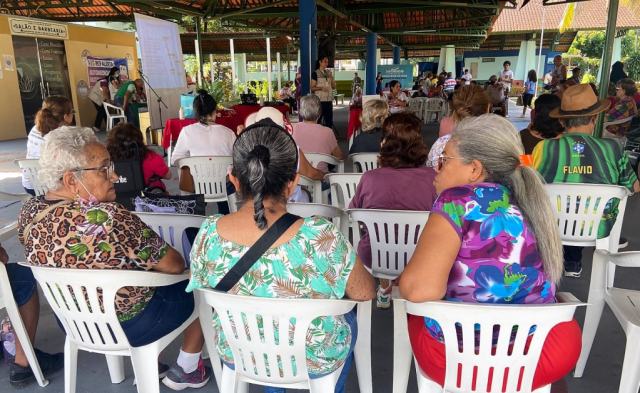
(99, 67)
(402, 73)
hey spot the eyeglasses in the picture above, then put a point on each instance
(442, 159)
(107, 170)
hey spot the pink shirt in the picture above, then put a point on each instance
(314, 138)
(446, 126)
(152, 165)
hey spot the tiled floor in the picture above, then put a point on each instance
(601, 375)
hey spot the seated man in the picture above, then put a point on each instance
(578, 157)
(496, 91)
(25, 293)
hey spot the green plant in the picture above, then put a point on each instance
(515, 91)
(589, 78)
(633, 66)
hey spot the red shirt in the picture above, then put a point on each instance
(154, 164)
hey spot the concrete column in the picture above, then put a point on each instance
(198, 48)
(447, 59)
(244, 73)
(278, 64)
(378, 56)
(314, 41)
(372, 52)
(269, 68)
(396, 55)
(616, 55)
(233, 61)
(526, 60)
(211, 66)
(307, 11)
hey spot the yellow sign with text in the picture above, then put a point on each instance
(38, 28)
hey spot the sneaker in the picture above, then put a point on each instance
(572, 269)
(623, 243)
(21, 377)
(177, 379)
(382, 300)
(96, 129)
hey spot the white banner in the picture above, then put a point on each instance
(162, 64)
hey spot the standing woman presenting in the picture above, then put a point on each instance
(379, 81)
(322, 85)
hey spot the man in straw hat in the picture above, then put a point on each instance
(578, 157)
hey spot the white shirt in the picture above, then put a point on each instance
(200, 140)
(34, 140)
(504, 74)
(468, 77)
(394, 107)
(285, 92)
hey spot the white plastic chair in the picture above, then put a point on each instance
(369, 97)
(88, 328)
(317, 209)
(9, 228)
(449, 314)
(434, 105)
(617, 122)
(363, 162)
(343, 189)
(249, 343)
(31, 167)
(7, 301)
(170, 227)
(624, 304)
(118, 113)
(416, 107)
(209, 176)
(315, 158)
(315, 189)
(579, 208)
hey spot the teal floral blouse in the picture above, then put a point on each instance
(314, 264)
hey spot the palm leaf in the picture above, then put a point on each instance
(286, 288)
(331, 277)
(324, 240)
(567, 17)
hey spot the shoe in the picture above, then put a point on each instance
(163, 370)
(21, 377)
(177, 379)
(572, 269)
(623, 243)
(96, 129)
(382, 300)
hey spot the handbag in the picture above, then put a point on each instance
(519, 101)
(186, 180)
(180, 204)
(254, 253)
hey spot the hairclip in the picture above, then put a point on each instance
(525, 160)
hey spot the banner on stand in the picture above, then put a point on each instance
(402, 73)
(99, 67)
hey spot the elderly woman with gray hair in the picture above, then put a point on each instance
(491, 238)
(312, 137)
(77, 225)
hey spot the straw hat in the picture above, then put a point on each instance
(579, 101)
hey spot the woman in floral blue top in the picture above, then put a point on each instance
(311, 260)
(491, 238)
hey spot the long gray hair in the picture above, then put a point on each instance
(265, 159)
(495, 142)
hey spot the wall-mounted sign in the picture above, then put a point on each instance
(38, 28)
(83, 89)
(85, 54)
(488, 59)
(99, 67)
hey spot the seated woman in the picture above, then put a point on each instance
(491, 238)
(153, 165)
(312, 137)
(543, 126)
(356, 100)
(396, 98)
(373, 114)
(264, 171)
(624, 108)
(56, 111)
(468, 101)
(286, 95)
(83, 228)
(401, 160)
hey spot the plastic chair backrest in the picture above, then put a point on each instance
(8, 196)
(435, 104)
(621, 121)
(31, 167)
(86, 321)
(369, 97)
(315, 158)
(270, 323)
(320, 210)
(363, 162)
(313, 186)
(393, 235)
(502, 322)
(343, 187)
(209, 175)
(118, 111)
(170, 227)
(579, 208)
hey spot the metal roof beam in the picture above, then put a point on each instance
(390, 6)
(17, 7)
(152, 9)
(217, 38)
(241, 13)
(171, 6)
(461, 32)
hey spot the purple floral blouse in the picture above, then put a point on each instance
(498, 261)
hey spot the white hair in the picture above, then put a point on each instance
(63, 150)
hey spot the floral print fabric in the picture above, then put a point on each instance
(314, 264)
(498, 261)
(88, 235)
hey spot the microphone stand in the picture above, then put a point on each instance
(159, 99)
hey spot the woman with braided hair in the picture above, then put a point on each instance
(311, 259)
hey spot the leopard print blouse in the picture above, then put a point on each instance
(86, 235)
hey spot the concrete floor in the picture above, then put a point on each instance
(602, 374)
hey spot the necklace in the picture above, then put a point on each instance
(209, 120)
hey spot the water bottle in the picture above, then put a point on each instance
(181, 113)
(8, 341)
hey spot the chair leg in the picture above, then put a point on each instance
(145, 368)
(325, 384)
(70, 366)
(402, 352)
(23, 336)
(115, 364)
(362, 351)
(630, 378)
(544, 389)
(228, 383)
(426, 385)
